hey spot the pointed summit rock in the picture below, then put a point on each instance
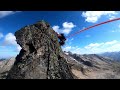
(40, 56)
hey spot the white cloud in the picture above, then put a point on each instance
(93, 16)
(10, 40)
(67, 28)
(18, 48)
(1, 35)
(69, 25)
(73, 49)
(56, 28)
(6, 13)
(111, 43)
(93, 45)
(66, 31)
(93, 48)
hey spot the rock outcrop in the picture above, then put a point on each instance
(40, 56)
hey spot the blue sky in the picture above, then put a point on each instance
(104, 38)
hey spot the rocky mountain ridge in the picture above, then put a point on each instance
(41, 57)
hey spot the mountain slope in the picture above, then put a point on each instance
(93, 66)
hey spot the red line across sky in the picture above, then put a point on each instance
(92, 27)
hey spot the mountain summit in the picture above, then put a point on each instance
(40, 56)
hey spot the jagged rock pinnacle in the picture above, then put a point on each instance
(39, 57)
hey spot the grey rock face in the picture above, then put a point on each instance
(39, 57)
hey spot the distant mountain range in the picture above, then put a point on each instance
(112, 55)
(93, 66)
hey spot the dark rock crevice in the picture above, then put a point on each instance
(31, 47)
